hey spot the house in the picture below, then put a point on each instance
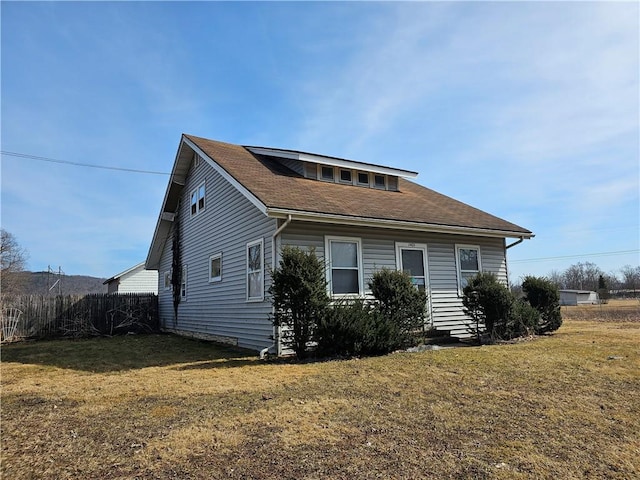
(229, 209)
(578, 297)
(133, 280)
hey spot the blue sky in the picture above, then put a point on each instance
(529, 111)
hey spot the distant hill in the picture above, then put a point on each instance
(40, 282)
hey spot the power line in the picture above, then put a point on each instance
(602, 254)
(78, 164)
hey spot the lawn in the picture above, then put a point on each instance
(159, 406)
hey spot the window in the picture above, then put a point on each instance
(344, 274)
(345, 176)
(197, 200)
(379, 181)
(183, 284)
(326, 173)
(363, 178)
(468, 263)
(255, 271)
(215, 267)
(167, 280)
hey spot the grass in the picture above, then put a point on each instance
(159, 406)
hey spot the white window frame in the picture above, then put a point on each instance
(384, 181)
(459, 271)
(363, 184)
(196, 192)
(218, 278)
(261, 270)
(320, 177)
(183, 284)
(167, 276)
(327, 249)
(345, 182)
(425, 258)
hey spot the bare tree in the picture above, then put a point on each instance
(582, 276)
(13, 262)
(630, 278)
(557, 278)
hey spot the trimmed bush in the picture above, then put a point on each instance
(354, 328)
(401, 303)
(545, 298)
(524, 319)
(299, 297)
(488, 302)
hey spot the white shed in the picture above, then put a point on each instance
(578, 297)
(134, 280)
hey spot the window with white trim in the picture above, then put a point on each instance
(344, 272)
(379, 181)
(167, 280)
(327, 173)
(197, 200)
(363, 178)
(215, 268)
(183, 284)
(468, 262)
(345, 176)
(255, 270)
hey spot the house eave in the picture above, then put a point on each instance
(395, 224)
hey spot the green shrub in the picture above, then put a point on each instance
(299, 297)
(524, 319)
(488, 302)
(401, 303)
(544, 297)
(354, 328)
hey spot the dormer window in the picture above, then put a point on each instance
(326, 173)
(379, 181)
(363, 179)
(345, 176)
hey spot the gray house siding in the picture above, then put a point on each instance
(379, 251)
(218, 310)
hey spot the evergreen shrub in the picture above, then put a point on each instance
(299, 297)
(543, 295)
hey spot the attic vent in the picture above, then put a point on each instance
(196, 160)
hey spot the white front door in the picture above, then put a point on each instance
(411, 258)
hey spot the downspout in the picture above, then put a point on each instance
(273, 348)
(507, 247)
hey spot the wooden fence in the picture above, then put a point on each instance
(83, 315)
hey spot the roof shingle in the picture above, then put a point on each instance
(280, 188)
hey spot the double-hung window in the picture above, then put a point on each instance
(255, 271)
(344, 257)
(197, 200)
(468, 263)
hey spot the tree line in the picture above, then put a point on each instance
(588, 276)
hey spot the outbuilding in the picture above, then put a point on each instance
(578, 297)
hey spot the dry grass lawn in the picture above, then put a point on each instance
(563, 406)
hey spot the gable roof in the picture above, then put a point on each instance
(139, 266)
(278, 191)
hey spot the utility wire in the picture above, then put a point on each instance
(77, 164)
(603, 254)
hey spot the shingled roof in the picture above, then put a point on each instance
(279, 192)
(281, 189)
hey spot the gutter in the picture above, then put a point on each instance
(394, 224)
(273, 348)
(518, 242)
